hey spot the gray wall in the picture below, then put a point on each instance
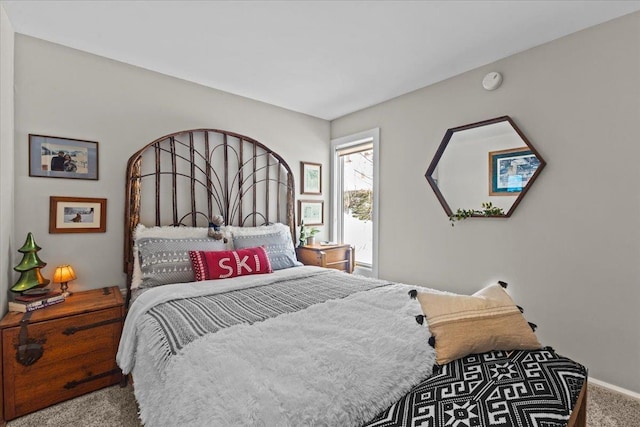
(6, 160)
(68, 93)
(571, 251)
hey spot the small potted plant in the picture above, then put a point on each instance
(311, 236)
(307, 235)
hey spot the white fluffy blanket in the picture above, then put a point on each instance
(338, 363)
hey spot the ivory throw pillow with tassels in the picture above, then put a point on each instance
(485, 321)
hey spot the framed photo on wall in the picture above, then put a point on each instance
(53, 157)
(311, 212)
(77, 215)
(311, 178)
(510, 170)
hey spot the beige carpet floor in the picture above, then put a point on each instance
(116, 407)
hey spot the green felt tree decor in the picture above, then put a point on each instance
(29, 267)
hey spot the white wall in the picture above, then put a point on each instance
(68, 93)
(571, 251)
(6, 160)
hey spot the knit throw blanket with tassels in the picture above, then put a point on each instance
(172, 325)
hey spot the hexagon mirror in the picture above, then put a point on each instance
(485, 162)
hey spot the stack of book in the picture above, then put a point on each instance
(24, 303)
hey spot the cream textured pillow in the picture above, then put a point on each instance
(488, 320)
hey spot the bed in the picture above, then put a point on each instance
(260, 339)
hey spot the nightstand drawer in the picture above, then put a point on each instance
(77, 350)
(339, 257)
(79, 343)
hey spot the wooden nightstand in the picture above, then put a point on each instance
(340, 257)
(79, 339)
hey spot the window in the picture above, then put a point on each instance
(354, 197)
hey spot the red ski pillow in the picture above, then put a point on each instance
(209, 265)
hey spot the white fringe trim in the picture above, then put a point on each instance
(160, 351)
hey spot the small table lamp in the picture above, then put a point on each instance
(63, 275)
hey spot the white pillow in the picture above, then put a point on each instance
(169, 232)
(257, 231)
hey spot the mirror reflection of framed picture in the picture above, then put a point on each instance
(311, 212)
(510, 170)
(311, 178)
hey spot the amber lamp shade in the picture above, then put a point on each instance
(63, 275)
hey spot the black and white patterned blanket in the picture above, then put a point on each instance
(524, 388)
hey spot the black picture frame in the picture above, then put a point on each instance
(55, 157)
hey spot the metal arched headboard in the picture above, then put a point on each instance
(192, 175)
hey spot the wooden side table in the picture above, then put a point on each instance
(340, 257)
(79, 340)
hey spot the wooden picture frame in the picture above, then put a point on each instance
(311, 212)
(77, 215)
(311, 178)
(54, 157)
(510, 170)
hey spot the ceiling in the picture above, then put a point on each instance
(322, 58)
